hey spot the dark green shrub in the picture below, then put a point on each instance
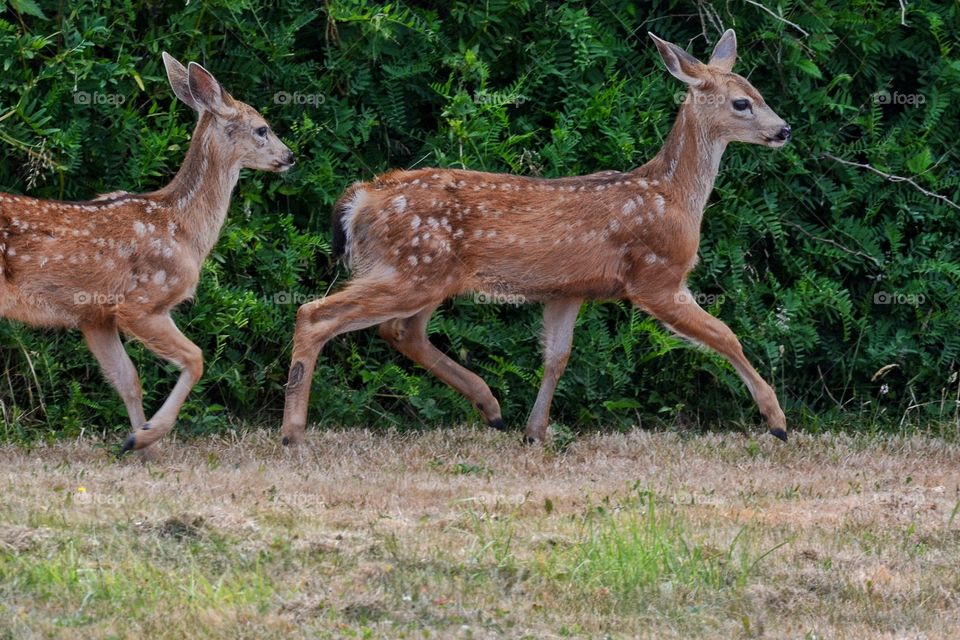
(797, 249)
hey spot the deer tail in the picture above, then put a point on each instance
(342, 221)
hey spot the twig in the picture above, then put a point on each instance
(834, 243)
(895, 178)
(903, 13)
(778, 17)
(714, 19)
(826, 388)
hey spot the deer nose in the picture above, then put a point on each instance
(290, 159)
(784, 133)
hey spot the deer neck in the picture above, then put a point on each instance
(198, 197)
(689, 161)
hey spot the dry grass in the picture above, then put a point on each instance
(466, 533)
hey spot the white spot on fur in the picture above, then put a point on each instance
(658, 202)
(160, 277)
(400, 204)
(412, 260)
(415, 222)
(139, 227)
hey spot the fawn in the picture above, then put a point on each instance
(415, 238)
(123, 261)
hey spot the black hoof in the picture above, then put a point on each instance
(780, 434)
(498, 424)
(128, 445)
(286, 440)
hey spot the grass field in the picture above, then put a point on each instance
(466, 533)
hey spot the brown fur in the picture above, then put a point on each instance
(415, 238)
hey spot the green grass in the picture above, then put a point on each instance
(638, 554)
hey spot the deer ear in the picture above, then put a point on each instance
(725, 53)
(680, 64)
(208, 93)
(177, 75)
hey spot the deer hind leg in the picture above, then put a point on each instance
(409, 337)
(104, 343)
(162, 337)
(559, 318)
(682, 314)
(360, 305)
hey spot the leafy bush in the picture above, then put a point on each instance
(802, 253)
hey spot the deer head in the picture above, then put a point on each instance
(236, 128)
(728, 105)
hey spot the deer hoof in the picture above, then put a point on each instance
(779, 432)
(291, 440)
(498, 424)
(129, 444)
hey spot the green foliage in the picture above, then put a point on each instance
(798, 248)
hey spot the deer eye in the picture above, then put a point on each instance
(262, 132)
(741, 105)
